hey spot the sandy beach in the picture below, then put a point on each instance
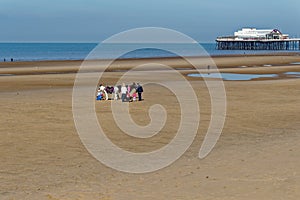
(256, 157)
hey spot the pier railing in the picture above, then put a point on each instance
(231, 43)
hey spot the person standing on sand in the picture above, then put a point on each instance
(139, 90)
(128, 93)
(116, 92)
(123, 92)
(133, 91)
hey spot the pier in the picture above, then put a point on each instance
(253, 39)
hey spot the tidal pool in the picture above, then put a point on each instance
(233, 76)
(296, 74)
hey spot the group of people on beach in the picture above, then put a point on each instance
(127, 93)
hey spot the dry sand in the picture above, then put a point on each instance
(256, 157)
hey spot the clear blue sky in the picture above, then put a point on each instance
(95, 20)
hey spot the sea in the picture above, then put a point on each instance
(80, 51)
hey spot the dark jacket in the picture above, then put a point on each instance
(139, 89)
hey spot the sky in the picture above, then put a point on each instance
(96, 20)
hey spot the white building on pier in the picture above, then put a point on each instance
(253, 33)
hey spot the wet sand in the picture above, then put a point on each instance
(256, 157)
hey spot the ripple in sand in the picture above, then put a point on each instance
(182, 68)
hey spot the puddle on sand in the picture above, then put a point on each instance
(295, 74)
(295, 63)
(6, 74)
(233, 76)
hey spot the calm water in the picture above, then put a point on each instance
(79, 51)
(295, 74)
(233, 76)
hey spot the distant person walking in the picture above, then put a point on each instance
(4, 60)
(12, 60)
(139, 90)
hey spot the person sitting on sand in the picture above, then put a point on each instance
(101, 87)
(99, 95)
